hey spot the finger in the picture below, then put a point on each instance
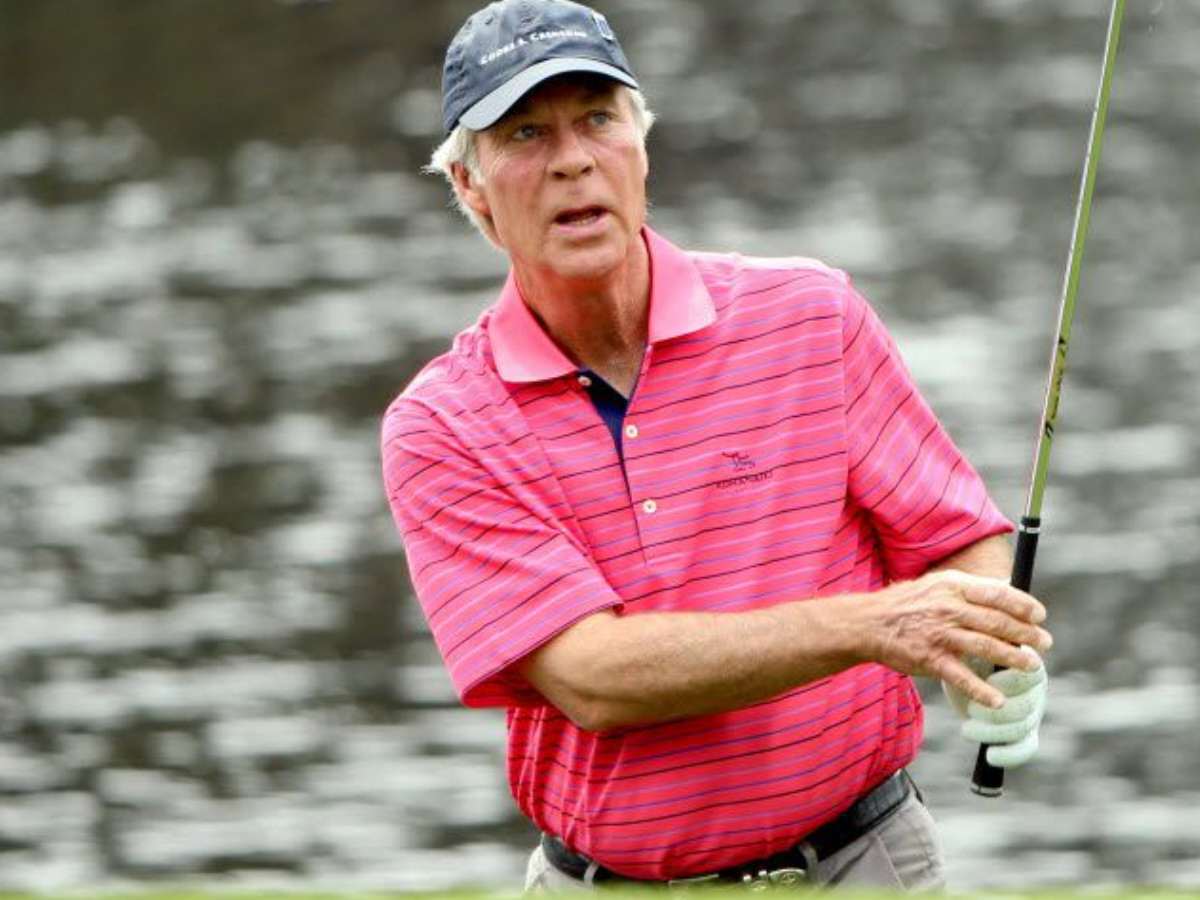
(999, 624)
(981, 667)
(1015, 709)
(1025, 692)
(997, 651)
(999, 594)
(958, 700)
(953, 672)
(1012, 682)
(987, 732)
(1009, 756)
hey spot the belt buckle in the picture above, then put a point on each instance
(775, 878)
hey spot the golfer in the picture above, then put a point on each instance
(685, 515)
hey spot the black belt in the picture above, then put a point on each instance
(867, 812)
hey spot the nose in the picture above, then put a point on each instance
(571, 158)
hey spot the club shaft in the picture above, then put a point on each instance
(988, 780)
(1070, 288)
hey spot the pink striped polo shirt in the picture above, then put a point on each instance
(775, 448)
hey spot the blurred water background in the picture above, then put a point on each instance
(218, 263)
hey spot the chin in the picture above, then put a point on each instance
(589, 262)
(586, 266)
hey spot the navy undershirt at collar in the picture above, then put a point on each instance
(609, 402)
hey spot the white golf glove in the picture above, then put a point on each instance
(1012, 730)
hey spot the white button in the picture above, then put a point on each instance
(649, 506)
(631, 431)
(585, 381)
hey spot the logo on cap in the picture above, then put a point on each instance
(602, 26)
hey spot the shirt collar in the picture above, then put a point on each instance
(679, 304)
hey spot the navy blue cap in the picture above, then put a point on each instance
(509, 47)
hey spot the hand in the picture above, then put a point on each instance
(959, 701)
(931, 625)
(1012, 730)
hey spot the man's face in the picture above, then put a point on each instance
(564, 179)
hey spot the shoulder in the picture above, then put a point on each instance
(450, 393)
(743, 283)
(741, 267)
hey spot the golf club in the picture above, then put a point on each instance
(988, 780)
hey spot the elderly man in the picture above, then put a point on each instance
(685, 514)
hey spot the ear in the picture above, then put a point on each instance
(469, 191)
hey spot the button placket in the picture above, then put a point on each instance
(645, 508)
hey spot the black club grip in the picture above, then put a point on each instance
(988, 780)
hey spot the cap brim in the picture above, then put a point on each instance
(488, 111)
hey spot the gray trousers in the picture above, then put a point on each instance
(900, 853)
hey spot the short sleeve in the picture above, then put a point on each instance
(924, 498)
(496, 576)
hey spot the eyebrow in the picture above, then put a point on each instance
(590, 93)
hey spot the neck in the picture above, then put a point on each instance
(602, 323)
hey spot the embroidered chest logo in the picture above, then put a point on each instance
(739, 460)
(744, 468)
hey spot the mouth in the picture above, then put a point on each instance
(580, 216)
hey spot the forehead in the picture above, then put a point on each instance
(577, 87)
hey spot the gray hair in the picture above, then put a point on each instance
(460, 147)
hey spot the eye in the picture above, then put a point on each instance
(524, 133)
(600, 117)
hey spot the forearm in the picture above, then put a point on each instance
(992, 558)
(609, 671)
(658, 666)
